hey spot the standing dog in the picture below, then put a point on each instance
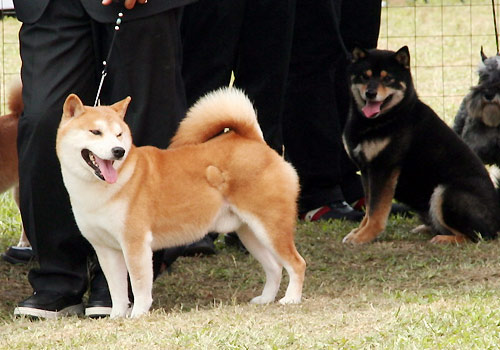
(9, 178)
(129, 201)
(405, 151)
(478, 118)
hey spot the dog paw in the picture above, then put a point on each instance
(356, 236)
(447, 239)
(261, 299)
(290, 300)
(118, 313)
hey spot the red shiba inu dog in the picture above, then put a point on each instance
(129, 201)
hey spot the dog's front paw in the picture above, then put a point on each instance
(261, 299)
(357, 236)
(119, 312)
(138, 311)
(290, 300)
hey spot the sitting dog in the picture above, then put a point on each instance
(9, 178)
(405, 151)
(129, 201)
(478, 118)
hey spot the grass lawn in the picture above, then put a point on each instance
(400, 292)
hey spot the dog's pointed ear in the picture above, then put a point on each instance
(121, 106)
(483, 56)
(403, 57)
(358, 53)
(73, 107)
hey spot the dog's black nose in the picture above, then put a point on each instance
(371, 94)
(118, 152)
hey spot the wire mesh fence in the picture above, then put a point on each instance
(444, 38)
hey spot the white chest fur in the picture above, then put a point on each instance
(371, 149)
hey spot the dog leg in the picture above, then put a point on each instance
(271, 266)
(296, 267)
(139, 259)
(272, 261)
(436, 214)
(114, 269)
(377, 210)
(366, 189)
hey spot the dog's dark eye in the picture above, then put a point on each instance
(387, 79)
(96, 132)
(119, 135)
(365, 77)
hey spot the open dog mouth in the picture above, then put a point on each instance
(373, 108)
(103, 168)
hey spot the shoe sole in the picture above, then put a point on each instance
(73, 310)
(98, 311)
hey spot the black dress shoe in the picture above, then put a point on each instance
(204, 246)
(18, 255)
(231, 239)
(49, 305)
(336, 210)
(99, 304)
(401, 210)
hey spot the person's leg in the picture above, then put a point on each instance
(150, 72)
(57, 59)
(263, 60)
(359, 25)
(210, 34)
(313, 141)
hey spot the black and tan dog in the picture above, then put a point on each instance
(405, 151)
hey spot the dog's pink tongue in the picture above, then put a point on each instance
(106, 166)
(372, 108)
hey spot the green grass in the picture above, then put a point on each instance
(398, 293)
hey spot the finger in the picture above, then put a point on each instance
(129, 4)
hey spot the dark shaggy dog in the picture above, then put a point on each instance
(478, 119)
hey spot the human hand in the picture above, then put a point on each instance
(129, 4)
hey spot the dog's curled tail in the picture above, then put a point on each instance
(15, 97)
(225, 108)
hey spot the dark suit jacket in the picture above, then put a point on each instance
(29, 11)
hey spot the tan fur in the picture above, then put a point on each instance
(9, 178)
(205, 181)
(436, 211)
(375, 220)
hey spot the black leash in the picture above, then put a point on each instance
(336, 23)
(495, 24)
(104, 63)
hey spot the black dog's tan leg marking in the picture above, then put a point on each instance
(436, 211)
(456, 238)
(377, 210)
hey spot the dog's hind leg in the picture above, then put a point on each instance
(461, 216)
(114, 269)
(273, 256)
(139, 258)
(271, 266)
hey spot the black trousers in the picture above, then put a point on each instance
(62, 53)
(317, 96)
(251, 38)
